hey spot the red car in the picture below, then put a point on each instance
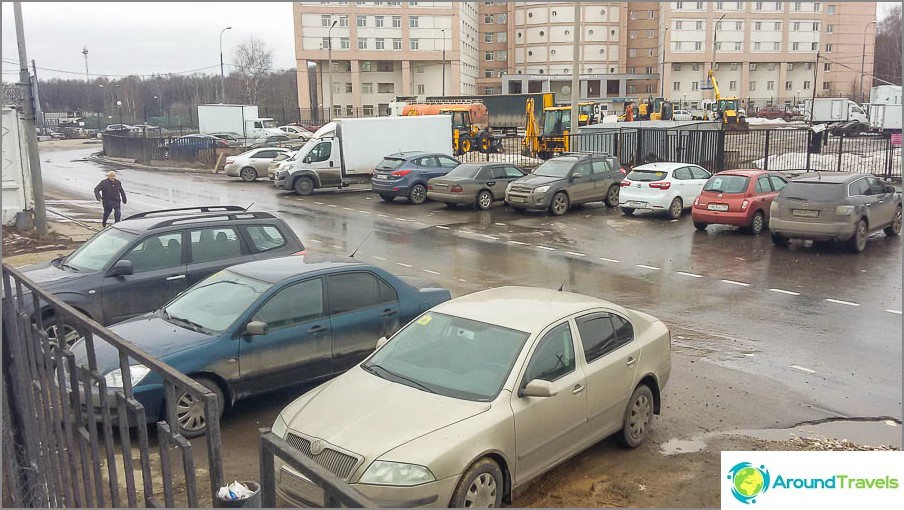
(774, 112)
(737, 197)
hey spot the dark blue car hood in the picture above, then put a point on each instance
(48, 276)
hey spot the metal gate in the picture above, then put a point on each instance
(72, 445)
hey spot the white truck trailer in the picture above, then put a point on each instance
(835, 109)
(235, 118)
(885, 109)
(346, 151)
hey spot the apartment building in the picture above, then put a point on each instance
(381, 50)
(493, 27)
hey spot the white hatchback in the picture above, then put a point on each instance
(662, 187)
(252, 164)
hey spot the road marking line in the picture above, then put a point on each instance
(383, 216)
(576, 254)
(400, 219)
(790, 293)
(365, 212)
(461, 280)
(429, 271)
(316, 241)
(647, 267)
(690, 274)
(894, 311)
(545, 247)
(490, 237)
(319, 203)
(517, 242)
(332, 205)
(840, 302)
(336, 246)
(379, 257)
(802, 369)
(732, 282)
(443, 227)
(501, 224)
(610, 260)
(403, 264)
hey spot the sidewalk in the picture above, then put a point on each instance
(63, 237)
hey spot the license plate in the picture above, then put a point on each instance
(634, 203)
(717, 207)
(806, 213)
(517, 199)
(381, 176)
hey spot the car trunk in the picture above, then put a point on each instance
(810, 202)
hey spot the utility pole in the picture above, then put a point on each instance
(443, 31)
(31, 134)
(329, 72)
(863, 61)
(576, 70)
(87, 79)
(222, 71)
(38, 113)
(813, 99)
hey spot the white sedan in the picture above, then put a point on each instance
(682, 115)
(662, 187)
(296, 132)
(252, 164)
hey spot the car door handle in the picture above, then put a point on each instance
(631, 361)
(577, 389)
(389, 312)
(491, 183)
(317, 329)
(175, 277)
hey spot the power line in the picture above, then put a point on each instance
(80, 73)
(856, 70)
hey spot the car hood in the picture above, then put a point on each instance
(452, 180)
(537, 180)
(46, 274)
(369, 416)
(148, 332)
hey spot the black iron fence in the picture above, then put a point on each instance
(69, 419)
(152, 149)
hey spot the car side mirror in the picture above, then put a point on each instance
(576, 176)
(307, 159)
(889, 189)
(381, 342)
(538, 388)
(257, 328)
(121, 268)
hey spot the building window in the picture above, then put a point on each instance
(828, 48)
(412, 21)
(488, 18)
(807, 85)
(790, 66)
(676, 86)
(649, 34)
(326, 20)
(827, 67)
(756, 46)
(488, 56)
(699, 6)
(776, 46)
(718, 46)
(501, 56)
(795, 26)
(795, 46)
(633, 15)
(831, 9)
(695, 85)
(348, 88)
(325, 43)
(753, 66)
(362, 43)
(814, 46)
(796, 6)
(695, 67)
(502, 37)
(759, 6)
(344, 43)
(735, 66)
(737, 45)
(632, 34)
(697, 46)
(816, 26)
(349, 110)
(488, 73)
(421, 88)
(651, 52)
(378, 21)
(362, 21)
(677, 25)
(739, 25)
(758, 26)
(366, 67)
(720, 6)
(337, 87)
(830, 29)
(632, 52)
(384, 67)
(752, 86)
(770, 85)
(337, 110)
(501, 19)
(396, 22)
(650, 70)
(817, 7)
(732, 85)
(413, 44)
(825, 85)
(648, 88)
(419, 69)
(632, 89)
(367, 88)
(488, 38)
(676, 67)
(778, 6)
(808, 66)
(368, 110)
(698, 25)
(386, 88)
(380, 44)
(343, 21)
(778, 26)
(396, 44)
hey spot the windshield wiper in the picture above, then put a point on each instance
(67, 266)
(417, 384)
(194, 326)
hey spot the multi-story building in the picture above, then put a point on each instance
(493, 39)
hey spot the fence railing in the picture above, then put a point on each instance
(69, 419)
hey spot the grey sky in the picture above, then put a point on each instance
(143, 37)
(150, 37)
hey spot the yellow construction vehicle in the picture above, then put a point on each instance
(553, 138)
(469, 125)
(726, 108)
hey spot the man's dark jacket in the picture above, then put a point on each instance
(110, 192)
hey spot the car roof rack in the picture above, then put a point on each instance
(584, 153)
(189, 220)
(203, 209)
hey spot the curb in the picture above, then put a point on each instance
(125, 164)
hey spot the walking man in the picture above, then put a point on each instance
(109, 192)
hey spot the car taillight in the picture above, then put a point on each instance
(661, 185)
(456, 189)
(622, 170)
(625, 184)
(429, 187)
(302, 252)
(697, 201)
(401, 173)
(230, 161)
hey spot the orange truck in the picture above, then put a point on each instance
(469, 124)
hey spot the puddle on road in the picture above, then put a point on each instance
(878, 432)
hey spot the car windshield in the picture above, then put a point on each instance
(467, 171)
(646, 175)
(268, 123)
(214, 303)
(556, 122)
(390, 164)
(815, 191)
(451, 356)
(555, 168)
(99, 251)
(727, 184)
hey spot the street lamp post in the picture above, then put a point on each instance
(329, 72)
(443, 31)
(119, 105)
(863, 60)
(222, 70)
(662, 63)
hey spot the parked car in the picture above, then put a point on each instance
(277, 162)
(477, 184)
(141, 129)
(74, 132)
(260, 326)
(118, 129)
(737, 197)
(190, 144)
(662, 187)
(405, 174)
(139, 263)
(249, 165)
(572, 178)
(278, 141)
(682, 115)
(835, 206)
(231, 138)
(297, 132)
(774, 112)
(479, 396)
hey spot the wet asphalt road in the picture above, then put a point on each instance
(776, 336)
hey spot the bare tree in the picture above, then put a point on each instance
(888, 47)
(253, 63)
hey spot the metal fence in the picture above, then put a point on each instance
(148, 149)
(71, 442)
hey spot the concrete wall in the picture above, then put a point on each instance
(18, 196)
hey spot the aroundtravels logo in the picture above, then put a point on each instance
(748, 482)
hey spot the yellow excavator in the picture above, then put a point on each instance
(727, 109)
(553, 138)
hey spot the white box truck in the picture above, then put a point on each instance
(235, 118)
(885, 109)
(346, 151)
(835, 109)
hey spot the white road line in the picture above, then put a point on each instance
(332, 205)
(429, 271)
(463, 281)
(576, 254)
(802, 369)
(348, 208)
(610, 260)
(316, 241)
(319, 203)
(379, 257)
(647, 267)
(545, 247)
(517, 242)
(403, 264)
(732, 282)
(501, 224)
(365, 212)
(692, 275)
(400, 219)
(443, 227)
(840, 302)
(336, 246)
(790, 293)
(490, 237)
(383, 216)
(894, 311)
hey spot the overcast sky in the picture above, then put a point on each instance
(126, 38)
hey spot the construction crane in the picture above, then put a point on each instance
(726, 107)
(554, 136)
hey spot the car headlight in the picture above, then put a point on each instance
(136, 374)
(541, 189)
(383, 472)
(844, 210)
(509, 187)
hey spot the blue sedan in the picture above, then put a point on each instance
(264, 325)
(405, 174)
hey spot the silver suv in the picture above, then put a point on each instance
(572, 178)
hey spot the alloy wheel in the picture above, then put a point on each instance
(190, 413)
(484, 200)
(482, 492)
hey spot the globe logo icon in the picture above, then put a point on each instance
(748, 481)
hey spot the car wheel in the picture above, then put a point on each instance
(627, 211)
(304, 186)
(700, 226)
(69, 334)
(779, 240)
(248, 174)
(559, 204)
(484, 200)
(417, 194)
(481, 486)
(612, 195)
(857, 242)
(190, 410)
(758, 223)
(387, 198)
(675, 208)
(895, 228)
(638, 416)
